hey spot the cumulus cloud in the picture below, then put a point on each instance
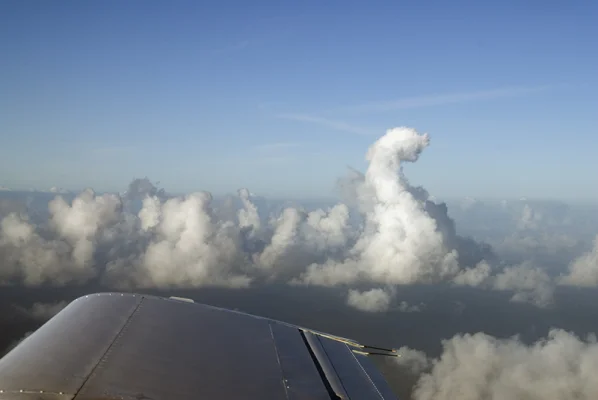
(300, 238)
(415, 361)
(475, 276)
(248, 215)
(400, 242)
(185, 247)
(530, 218)
(389, 233)
(550, 245)
(472, 367)
(373, 300)
(142, 187)
(530, 284)
(63, 251)
(583, 271)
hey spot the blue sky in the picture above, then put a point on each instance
(281, 97)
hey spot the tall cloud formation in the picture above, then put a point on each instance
(401, 237)
(401, 242)
(472, 367)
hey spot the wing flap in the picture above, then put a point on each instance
(180, 350)
(123, 346)
(300, 374)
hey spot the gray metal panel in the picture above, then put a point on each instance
(326, 364)
(109, 346)
(60, 355)
(176, 350)
(302, 379)
(355, 381)
(376, 376)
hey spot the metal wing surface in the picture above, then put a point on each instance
(131, 346)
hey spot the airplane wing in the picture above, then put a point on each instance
(129, 346)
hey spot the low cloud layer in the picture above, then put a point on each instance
(388, 233)
(472, 367)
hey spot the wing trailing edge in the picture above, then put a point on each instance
(132, 346)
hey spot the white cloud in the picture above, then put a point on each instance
(415, 361)
(530, 284)
(479, 366)
(299, 239)
(55, 189)
(530, 218)
(185, 247)
(583, 271)
(65, 257)
(400, 237)
(475, 276)
(374, 300)
(248, 215)
(401, 242)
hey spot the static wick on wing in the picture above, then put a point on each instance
(389, 352)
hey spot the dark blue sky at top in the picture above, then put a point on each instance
(281, 96)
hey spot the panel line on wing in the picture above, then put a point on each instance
(283, 380)
(107, 352)
(367, 375)
(325, 367)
